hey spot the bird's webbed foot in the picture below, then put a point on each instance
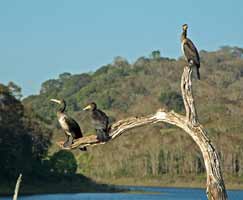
(68, 142)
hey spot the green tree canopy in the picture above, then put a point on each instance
(15, 90)
(63, 162)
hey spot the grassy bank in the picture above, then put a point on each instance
(233, 183)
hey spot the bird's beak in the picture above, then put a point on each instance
(87, 107)
(56, 101)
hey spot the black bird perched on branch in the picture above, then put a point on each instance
(100, 122)
(68, 124)
(189, 50)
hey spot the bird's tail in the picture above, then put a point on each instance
(198, 73)
(108, 129)
(83, 149)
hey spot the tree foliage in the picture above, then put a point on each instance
(155, 54)
(24, 141)
(15, 90)
(63, 162)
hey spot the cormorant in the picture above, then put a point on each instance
(68, 124)
(100, 122)
(189, 50)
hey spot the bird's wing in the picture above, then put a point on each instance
(191, 52)
(74, 128)
(100, 119)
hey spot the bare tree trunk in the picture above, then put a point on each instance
(215, 183)
(189, 123)
(16, 191)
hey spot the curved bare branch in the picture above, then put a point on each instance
(189, 123)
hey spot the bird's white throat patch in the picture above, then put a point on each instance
(62, 119)
(182, 48)
(63, 123)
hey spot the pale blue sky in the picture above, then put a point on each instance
(41, 39)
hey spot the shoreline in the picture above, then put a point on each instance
(125, 190)
(108, 189)
(155, 182)
(117, 185)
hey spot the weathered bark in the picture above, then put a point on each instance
(215, 183)
(189, 123)
(16, 191)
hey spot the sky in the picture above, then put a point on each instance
(41, 39)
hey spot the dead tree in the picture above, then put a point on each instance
(215, 187)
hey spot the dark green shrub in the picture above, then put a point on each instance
(63, 162)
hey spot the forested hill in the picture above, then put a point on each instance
(123, 89)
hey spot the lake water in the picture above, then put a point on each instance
(153, 193)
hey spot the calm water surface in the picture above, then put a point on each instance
(156, 193)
